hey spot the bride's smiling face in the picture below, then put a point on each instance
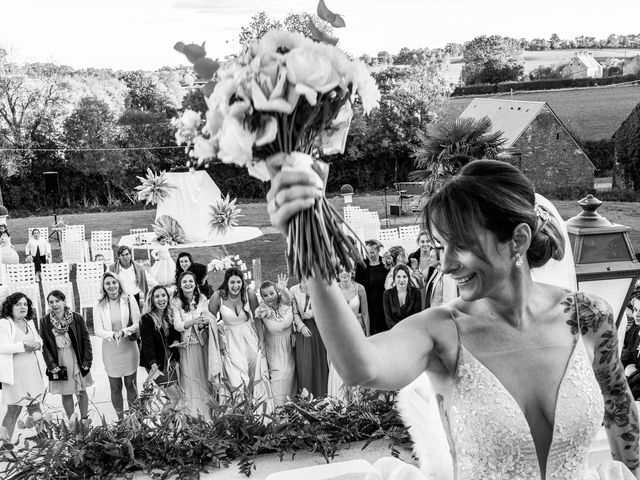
(477, 277)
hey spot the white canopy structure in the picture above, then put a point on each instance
(190, 202)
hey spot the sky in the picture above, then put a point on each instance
(140, 34)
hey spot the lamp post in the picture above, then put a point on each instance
(347, 194)
(606, 265)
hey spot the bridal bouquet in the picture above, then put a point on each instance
(281, 102)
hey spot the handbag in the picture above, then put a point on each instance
(60, 375)
(135, 336)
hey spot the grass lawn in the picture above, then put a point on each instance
(590, 113)
(271, 246)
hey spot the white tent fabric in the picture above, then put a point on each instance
(189, 203)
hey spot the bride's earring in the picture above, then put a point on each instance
(519, 260)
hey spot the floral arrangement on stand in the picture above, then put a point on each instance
(223, 263)
(278, 105)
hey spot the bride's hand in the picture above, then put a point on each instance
(292, 191)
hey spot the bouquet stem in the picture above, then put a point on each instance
(316, 242)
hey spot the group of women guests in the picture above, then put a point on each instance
(398, 286)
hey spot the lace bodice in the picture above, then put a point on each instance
(491, 436)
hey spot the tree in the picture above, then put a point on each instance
(555, 41)
(299, 22)
(446, 147)
(259, 24)
(492, 59)
(92, 125)
(379, 145)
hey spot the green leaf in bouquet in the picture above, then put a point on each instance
(179, 46)
(328, 16)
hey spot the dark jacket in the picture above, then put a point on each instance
(152, 349)
(630, 354)
(80, 342)
(393, 312)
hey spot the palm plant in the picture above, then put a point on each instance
(446, 147)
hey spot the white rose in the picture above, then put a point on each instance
(203, 149)
(190, 119)
(364, 85)
(311, 71)
(236, 142)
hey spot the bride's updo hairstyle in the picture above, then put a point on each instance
(497, 196)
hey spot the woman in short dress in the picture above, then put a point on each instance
(21, 364)
(66, 343)
(116, 320)
(277, 318)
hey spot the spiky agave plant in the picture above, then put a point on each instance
(154, 188)
(224, 215)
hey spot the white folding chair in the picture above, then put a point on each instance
(44, 232)
(409, 233)
(389, 237)
(74, 251)
(21, 277)
(73, 233)
(55, 276)
(88, 281)
(137, 231)
(107, 254)
(101, 242)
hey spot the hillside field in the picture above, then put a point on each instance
(589, 113)
(535, 59)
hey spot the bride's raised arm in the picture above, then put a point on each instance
(388, 360)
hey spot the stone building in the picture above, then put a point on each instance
(582, 65)
(537, 142)
(631, 66)
(626, 143)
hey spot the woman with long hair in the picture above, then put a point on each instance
(66, 343)
(197, 327)
(372, 275)
(22, 367)
(157, 334)
(312, 367)
(277, 318)
(525, 373)
(185, 263)
(116, 320)
(356, 298)
(398, 256)
(403, 299)
(242, 343)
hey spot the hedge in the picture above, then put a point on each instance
(551, 84)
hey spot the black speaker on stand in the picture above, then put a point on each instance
(52, 190)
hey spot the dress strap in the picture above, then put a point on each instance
(575, 303)
(455, 322)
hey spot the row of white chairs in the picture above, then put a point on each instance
(54, 276)
(74, 247)
(366, 225)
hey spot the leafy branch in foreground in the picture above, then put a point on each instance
(168, 442)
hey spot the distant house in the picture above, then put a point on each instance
(582, 65)
(631, 66)
(626, 144)
(537, 142)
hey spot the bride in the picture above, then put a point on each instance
(524, 373)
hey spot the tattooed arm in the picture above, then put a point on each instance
(620, 415)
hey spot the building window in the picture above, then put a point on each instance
(557, 136)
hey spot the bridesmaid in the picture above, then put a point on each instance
(356, 298)
(243, 357)
(193, 320)
(312, 369)
(372, 277)
(277, 318)
(116, 320)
